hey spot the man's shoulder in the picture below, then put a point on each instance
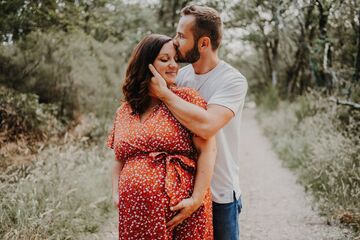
(231, 74)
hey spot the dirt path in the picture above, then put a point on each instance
(275, 206)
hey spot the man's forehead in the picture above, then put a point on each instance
(186, 23)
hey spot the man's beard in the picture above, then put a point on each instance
(191, 56)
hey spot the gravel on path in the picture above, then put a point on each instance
(275, 206)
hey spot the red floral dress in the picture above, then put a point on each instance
(159, 171)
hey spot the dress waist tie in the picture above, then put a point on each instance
(180, 171)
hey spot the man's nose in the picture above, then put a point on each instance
(175, 42)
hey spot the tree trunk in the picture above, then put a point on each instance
(275, 44)
(324, 73)
(301, 65)
(357, 60)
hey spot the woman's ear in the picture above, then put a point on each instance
(204, 43)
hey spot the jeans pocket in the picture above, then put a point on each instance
(239, 205)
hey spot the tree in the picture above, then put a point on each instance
(262, 19)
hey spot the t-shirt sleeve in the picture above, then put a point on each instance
(232, 95)
(192, 96)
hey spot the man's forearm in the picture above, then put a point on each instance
(205, 168)
(193, 117)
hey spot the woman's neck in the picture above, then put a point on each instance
(154, 101)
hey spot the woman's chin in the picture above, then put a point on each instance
(170, 81)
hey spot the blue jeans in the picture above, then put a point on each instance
(226, 220)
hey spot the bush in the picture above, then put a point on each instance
(22, 116)
(305, 107)
(70, 70)
(268, 99)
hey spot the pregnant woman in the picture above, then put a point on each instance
(159, 162)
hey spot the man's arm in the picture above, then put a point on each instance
(204, 123)
(204, 171)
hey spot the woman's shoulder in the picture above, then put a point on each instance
(189, 95)
(122, 108)
(184, 91)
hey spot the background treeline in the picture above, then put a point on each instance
(302, 45)
(61, 66)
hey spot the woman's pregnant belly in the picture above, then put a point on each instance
(142, 176)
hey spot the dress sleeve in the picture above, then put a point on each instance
(111, 135)
(191, 95)
(110, 138)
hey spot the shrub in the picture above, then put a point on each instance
(268, 99)
(70, 70)
(22, 116)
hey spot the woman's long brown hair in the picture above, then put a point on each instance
(138, 75)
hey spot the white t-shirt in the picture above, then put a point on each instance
(225, 86)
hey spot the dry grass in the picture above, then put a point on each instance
(64, 193)
(310, 137)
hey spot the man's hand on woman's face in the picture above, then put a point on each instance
(157, 84)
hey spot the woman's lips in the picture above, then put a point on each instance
(171, 73)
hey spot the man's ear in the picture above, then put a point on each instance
(204, 43)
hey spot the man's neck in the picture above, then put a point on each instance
(206, 63)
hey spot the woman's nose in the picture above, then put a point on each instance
(173, 64)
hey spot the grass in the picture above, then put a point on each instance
(63, 194)
(312, 138)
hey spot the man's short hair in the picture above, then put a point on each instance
(207, 23)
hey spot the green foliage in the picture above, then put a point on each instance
(77, 67)
(19, 18)
(23, 115)
(74, 72)
(38, 65)
(306, 107)
(269, 100)
(307, 44)
(307, 137)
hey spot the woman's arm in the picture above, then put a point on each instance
(205, 168)
(115, 174)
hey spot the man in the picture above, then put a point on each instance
(198, 38)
